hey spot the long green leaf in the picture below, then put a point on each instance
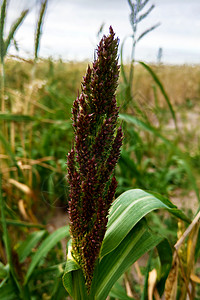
(122, 64)
(2, 23)
(145, 288)
(13, 29)
(39, 27)
(16, 118)
(165, 254)
(22, 224)
(73, 279)
(138, 241)
(45, 247)
(6, 239)
(26, 246)
(185, 159)
(71, 266)
(4, 226)
(158, 82)
(127, 210)
(147, 127)
(118, 292)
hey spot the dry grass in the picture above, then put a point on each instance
(182, 83)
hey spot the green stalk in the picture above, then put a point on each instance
(22, 224)
(6, 240)
(2, 86)
(4, 226)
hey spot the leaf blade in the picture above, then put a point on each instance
(126, 211)
(45, 247)
(138, 241)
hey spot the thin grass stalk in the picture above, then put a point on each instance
(38, 34)
(7, 239)
(2, 24)
(39, 27)
(13, 29)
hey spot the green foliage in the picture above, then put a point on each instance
(44, 248)
(127, 238)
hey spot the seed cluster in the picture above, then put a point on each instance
(94, 155)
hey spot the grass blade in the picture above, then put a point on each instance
(147, 127)
(122, 64)
(184, 158)
(165, 255)
(145, 289)
(2, 23)
(158, 82)
(119, 293)
(16, 118)
(138, 241)
(45, 247)
(4, 227)
(22, 224)
(73, 279)
(38, 32)
(127, 210)
(13, 29)
(25, 248)
(7, 240)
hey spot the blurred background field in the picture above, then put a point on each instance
(38, 135)
(39, 132)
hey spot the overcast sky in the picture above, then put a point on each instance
(71, 26)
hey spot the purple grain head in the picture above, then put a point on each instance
(91, 162)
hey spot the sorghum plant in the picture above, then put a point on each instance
(95, 152)
(107, 236)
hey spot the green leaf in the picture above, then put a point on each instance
(13, 29)
(8, 292)
(123, 74)
(38, 31)
(45, 247)
(73, 279)
(183, 156)
(126, 211)
(26, 246)
(138, 241)
(145, 288)
(16, 117)
(22, 224)
(2, 25)
(71, 266)
(158, 82)
(165, 254)
(118, 292)
(135, 121)
(6, 240)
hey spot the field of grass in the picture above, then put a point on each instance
(38, 129)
